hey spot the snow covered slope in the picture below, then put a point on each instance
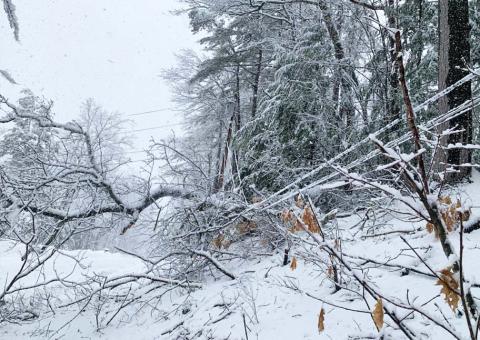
(268, 300)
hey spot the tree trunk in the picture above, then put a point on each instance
(238, 125)
(219, 153)
(393, 100)
(256, 82)
(220, 179)
(345, 110)
(454, 56)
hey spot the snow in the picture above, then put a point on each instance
(463, 146)
(276, 302)
(83, 293)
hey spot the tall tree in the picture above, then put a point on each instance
(454, 56)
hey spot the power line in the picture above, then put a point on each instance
(156, 127)
(152, 111)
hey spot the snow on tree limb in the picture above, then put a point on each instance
(8, 77)
(9, 8)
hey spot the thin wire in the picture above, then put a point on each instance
(154, 127)
(152, 111)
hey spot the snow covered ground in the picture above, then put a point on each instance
(267, 300)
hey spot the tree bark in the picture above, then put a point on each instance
(220, 179)
(454, 56)
(393, 100)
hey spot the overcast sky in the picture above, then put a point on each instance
(110, 50)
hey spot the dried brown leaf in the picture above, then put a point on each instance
(310, 220)
(321, 320)
(449, 221)
(430, 227)
(445, 200)
(297, 226)
(330, 271)
(378, 315)
(466, 215)
(246, 227)
(449, 287)
(293, 265)
(286, 215)
(217, 241)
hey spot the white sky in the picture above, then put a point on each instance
(110, 50)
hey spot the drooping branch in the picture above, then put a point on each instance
(410, 111)
(93, 170)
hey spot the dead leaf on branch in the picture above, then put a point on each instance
(218, 241)
(246, 227)
(296, 227)
(465, 215)
(330, 271)
(286, 215)
(431, 229)
(293, 265)
(378, 315)
(449, 287)
(321, 320)
(451, 214)
(445, 200)
(310, 220)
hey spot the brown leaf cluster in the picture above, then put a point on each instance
(450, 213)
(220, 242)
(287, 216)
(449, 287)
(246, 227)
(310, 220)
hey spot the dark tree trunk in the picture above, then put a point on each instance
(394, 95)
(454, 56)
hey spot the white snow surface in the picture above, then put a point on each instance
(276, 302)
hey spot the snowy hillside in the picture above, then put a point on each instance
(266, 300)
